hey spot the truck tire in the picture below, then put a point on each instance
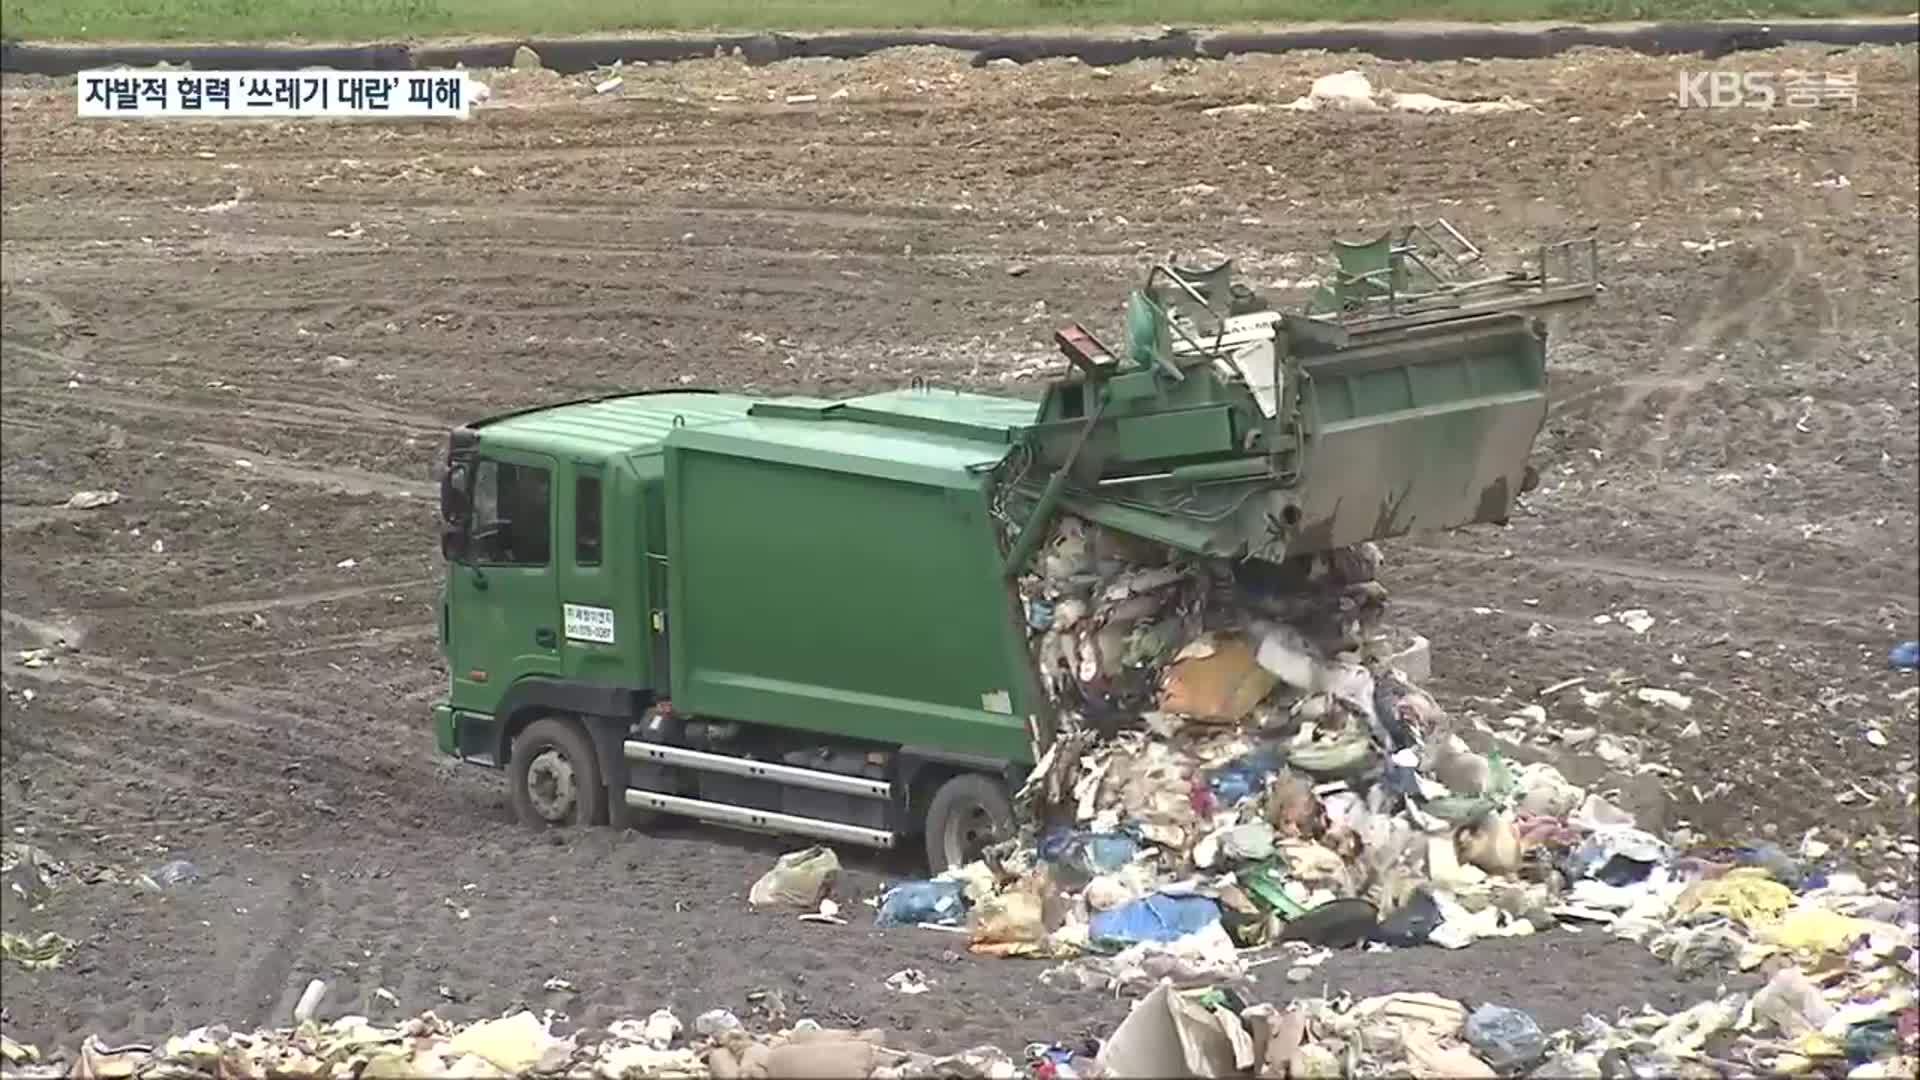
(555, 776)
(967, 813)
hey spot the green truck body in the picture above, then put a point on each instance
(800, 615)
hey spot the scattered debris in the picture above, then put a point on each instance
(309, 1003)
(221, 206)
(1636, 620)
(34, 953)
(1667, 699)
(1245, 108)
(1349, 91)
(908, 981)
(829, 913)
(92, 500)
(169, 874)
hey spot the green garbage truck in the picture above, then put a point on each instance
(800, 616)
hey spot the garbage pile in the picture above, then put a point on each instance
(1247, 772)
(1792, 1027)
(519, 1044)
(1244, 758)
(1208, 1033)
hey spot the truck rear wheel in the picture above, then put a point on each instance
(555, 776)
(967, 813)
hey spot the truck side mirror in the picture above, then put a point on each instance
(455, 511)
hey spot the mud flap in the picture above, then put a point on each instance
(619, 773)
(609, 737)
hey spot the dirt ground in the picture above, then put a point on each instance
(258, 333)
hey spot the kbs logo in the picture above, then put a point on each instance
(1767, 89)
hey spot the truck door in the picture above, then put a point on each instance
(596, 629)
(502, 598)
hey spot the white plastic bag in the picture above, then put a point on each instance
(798, 881)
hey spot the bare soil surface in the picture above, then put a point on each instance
(259, 332)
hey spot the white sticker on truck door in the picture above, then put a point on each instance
(585, 623)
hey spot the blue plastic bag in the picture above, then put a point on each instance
(1243, 777)
(1905, 655)
(1095, 853)
(911, 903)
(1781, 866)
(1040, 613)
(1507, 1039)
(1155, 917)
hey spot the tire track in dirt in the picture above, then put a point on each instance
(362, 639)
(1806, 602)
(343, 481)
(270, 962)
(1671, 390)
(255, 411)
(242, 751)
(1720, 326)
(76, 337)
(285, 601)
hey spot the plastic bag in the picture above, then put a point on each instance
(1093, 853)
(1008, 919)
(1412, 923)
(1768, 857)
(1506, 1039)
(1249, 843)
(169, 874)
(1156, 917)
(914, 902)
(1792, 1004)
(1617, 856)
(798, 880)
(1817, 930)
(1748, 895)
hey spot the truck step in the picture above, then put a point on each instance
(763, 820)
(790, 775)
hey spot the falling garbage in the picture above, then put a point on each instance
(1238, 752)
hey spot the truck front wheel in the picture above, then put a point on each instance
(967, 813)
(555, 776)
